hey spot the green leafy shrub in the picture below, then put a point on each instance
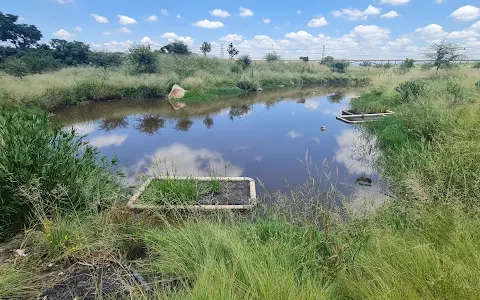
(272, 56)
(63, 168)
(16, 67)
(427, 66)
(411, 90)
(477, 84)
(247, 85)
(244, 61)
(143, 59)
(339, 66)
(476, 65)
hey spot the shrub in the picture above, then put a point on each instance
(477, 84)
(476, 65)
(16, 67)
(105, 59)
(247, 85)
(244, 61)
(366, 64)
(410, 90)
(327, 60)
(426, 66)
(339, 66)
(39, 62)
(304, 58)
(272, 56)
(143, 59)
(237, 69)
(60, 166)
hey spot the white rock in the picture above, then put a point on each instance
(177, 92)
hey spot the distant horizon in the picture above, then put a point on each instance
(355, 30)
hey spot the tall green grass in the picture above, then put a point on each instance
(44, 170)
(199, 75)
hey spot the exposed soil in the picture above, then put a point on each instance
(232, 193)
(83, 282)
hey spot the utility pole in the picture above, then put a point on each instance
(323, 52)
(221, 50)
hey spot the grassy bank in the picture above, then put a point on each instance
(423, 244)
(204, 78)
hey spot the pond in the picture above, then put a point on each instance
(265, 136)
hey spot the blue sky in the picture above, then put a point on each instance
(348, 29)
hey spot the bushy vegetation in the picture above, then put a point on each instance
(339, 66)
(272, 56)
(50, 165)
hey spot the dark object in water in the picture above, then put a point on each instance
(364, 181)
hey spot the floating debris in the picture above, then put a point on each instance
(323, 128)
(364, 181)
(362, 118)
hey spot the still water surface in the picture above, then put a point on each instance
(262, 135)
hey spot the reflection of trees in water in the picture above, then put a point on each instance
(208, 122)
(149, 124)
(336, 97)
(237, 111)
(269, 105)
(113, 124)
(302, 99)
(183, 124)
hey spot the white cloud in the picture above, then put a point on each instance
(220, 13)
(209, 24)
(354, 14)
(294, 134)
(299, 12)
(439, 1)
(83, 128)
(108, 140)
(317, 22)
(187, 161)
(400, 42)
(266, 20)
(232, 38)
(178, 16)
(431, 32)
(164, 12)
(389, 15)
(100, 19)
(466, 13)
(171, 36)
(476, 26)
(245, 12)
(300, 35)
(126, 20)
(147, 41)
(124, 30)
(394, 2)
(463, 34)
(65, 1)
(63, 34)
(77, 28)
(355, 152)
(311, 104)
(152, 18)
(114, 46)
(371, 32)
(106, 33)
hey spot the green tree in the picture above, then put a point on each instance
(16, 67)
(304, 58)
(244, 61)
(176, 47)
(70, 53)
(22, 36)
(272, 56)
(476, 65)
(105, 60)
(443, 54)
(327, 60)
(206, 48)
(232, 51)
(339, 66)
(39, 61)
(143, 59)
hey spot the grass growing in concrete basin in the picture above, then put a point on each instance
(178, 191)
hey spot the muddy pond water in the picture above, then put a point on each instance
(265, 136)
